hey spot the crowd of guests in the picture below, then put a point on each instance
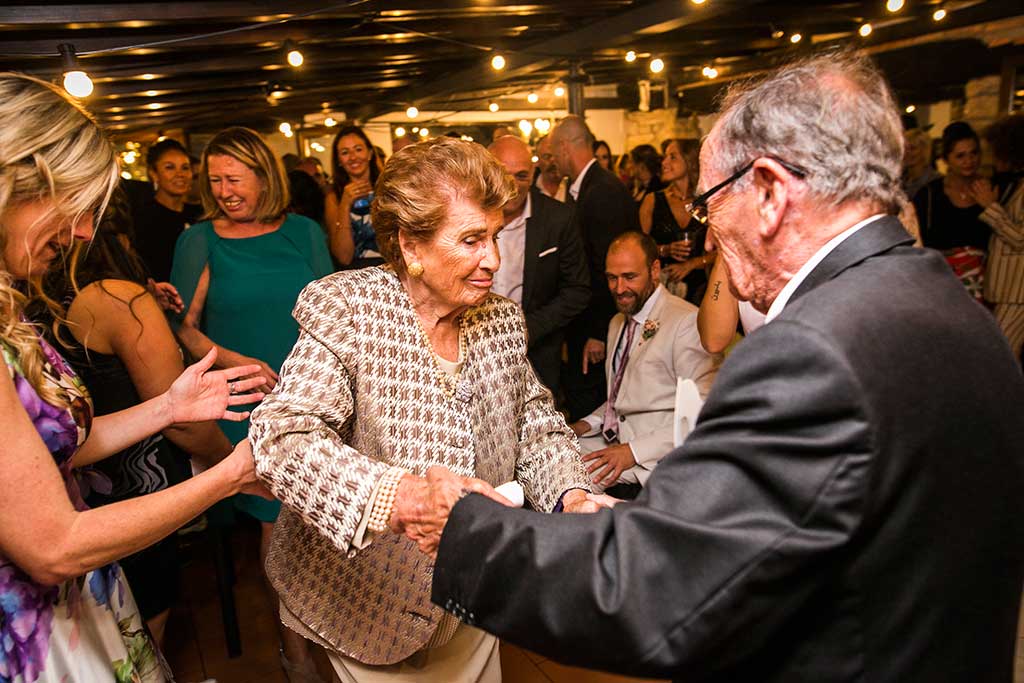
(359, 300)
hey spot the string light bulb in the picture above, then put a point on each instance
(778, 33)
(910, 109)
(532, 98)
(493, 107)
(424, 132)
(412, 112)
(894, 5)
(697, 2)
(939, 14)
(710, 72)
(657, 65)
(795, 38)
(864, 30)
(399, 132)
(330, 122)
(631, 56)
(559, 91)
(76, 81)
(292, 54)
(497, 62)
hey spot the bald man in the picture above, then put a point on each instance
(543, 267)
(604, 209)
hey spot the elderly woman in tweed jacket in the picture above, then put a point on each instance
(397, 369)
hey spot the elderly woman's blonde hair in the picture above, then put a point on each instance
(421, 181)
(248, 147)
(51, 150)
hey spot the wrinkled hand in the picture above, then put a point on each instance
(593, 353)
(353, 191)
(983, 192)
(680, 249)
(603, 501)
(422, 504)
(200, 394)
(166, 295)
(608, 463)
(243, 468)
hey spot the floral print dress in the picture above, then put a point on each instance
(87, 629)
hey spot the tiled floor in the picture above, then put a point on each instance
(195, 645)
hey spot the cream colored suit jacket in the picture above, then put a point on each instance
(646, 398)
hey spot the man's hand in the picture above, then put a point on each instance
(579, 427)
(422, 504)
(608, 463)
(593, 353)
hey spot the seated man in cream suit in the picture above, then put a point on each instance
(652, 341)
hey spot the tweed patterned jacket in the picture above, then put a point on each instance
(361, 392)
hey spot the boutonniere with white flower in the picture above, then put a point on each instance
(650, 329)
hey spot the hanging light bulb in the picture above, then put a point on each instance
(399, 132)
(657, 65)
(697, 2)
(894, 5)
(710, 72)
(864, 30)
(559, 91)
(778, 33)
(330, 122)
(939, 14)
(292, 54)
(795, 38)
(532, 98)
(493, 106)
(910, 109)
(497, 62)
(285, 127)
(424, 132)
(525, 126)
(412, 112)
(415, 129)
(630, 56)
(76, 81)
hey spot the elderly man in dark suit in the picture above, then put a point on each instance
(604, 209)
(543, 267)
(848, 507)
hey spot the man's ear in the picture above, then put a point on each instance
(656, 270)
(773, 185)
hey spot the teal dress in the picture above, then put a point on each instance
(254, 283)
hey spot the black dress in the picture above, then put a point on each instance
(665, 230)
(945, 226)
(156, 232)
(148, 466)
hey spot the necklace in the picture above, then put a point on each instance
(450, 383)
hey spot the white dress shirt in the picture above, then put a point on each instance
(574, 189)
(787, 292)
(508, 281)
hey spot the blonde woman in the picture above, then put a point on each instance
(66, 613)
(239, 273)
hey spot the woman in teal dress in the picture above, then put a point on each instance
(239, 274)
(66, 613)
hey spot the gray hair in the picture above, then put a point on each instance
(832, 115)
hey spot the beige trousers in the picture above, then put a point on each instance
(471, 656)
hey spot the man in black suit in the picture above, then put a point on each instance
(543, 267)
(604, 209)
(848, 507)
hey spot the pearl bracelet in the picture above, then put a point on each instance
(384, 501)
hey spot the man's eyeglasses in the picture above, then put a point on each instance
(698, 208)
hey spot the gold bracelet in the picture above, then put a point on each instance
(384, 501)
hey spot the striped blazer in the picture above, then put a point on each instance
(1004, 275)
(361, 392)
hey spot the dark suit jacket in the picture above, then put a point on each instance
(604, 209)
(847, 509)
(556, 284)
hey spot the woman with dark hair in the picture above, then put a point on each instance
(307, 197)
(664, 217)
(603, 154)
(948, 211)
(161, 218)
(646, 171)
(116, 338)
(354, 168)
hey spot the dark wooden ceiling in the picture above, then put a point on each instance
(202, 64)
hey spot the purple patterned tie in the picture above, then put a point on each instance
(610, 427)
